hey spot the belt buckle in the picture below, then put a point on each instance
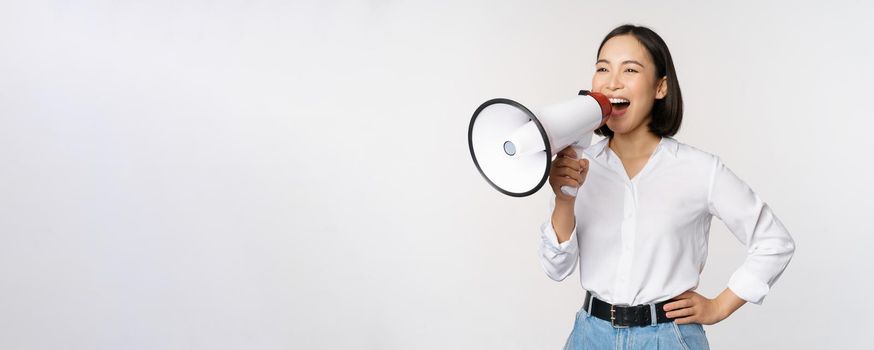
(613, 318)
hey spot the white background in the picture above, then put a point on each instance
(295, 175)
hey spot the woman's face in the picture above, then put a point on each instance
(626, 73)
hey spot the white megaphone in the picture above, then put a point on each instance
(512, 148)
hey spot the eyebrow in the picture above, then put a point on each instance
(623, 62)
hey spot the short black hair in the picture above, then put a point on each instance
(667, 113)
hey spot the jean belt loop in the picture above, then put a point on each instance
(653, 318)
(591, 299)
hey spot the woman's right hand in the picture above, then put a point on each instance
(567, 170)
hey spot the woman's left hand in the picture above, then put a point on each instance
(691, 307)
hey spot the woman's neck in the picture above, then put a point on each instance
(640, 143)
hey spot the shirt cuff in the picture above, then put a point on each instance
(551, 239)
(748, 287)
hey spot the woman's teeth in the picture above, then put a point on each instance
(619, 102)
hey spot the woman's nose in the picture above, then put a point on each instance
(614, 83)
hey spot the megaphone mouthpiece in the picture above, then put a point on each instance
(603, 102)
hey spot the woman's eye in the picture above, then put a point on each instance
(602, 69)
(631, 70)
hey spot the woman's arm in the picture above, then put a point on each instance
(563, 220)
(768, 244)
(559, 252)
(769, 250)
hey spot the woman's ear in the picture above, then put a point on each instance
(662, 88)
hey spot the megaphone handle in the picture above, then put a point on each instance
(570, 190)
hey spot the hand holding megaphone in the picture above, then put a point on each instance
(567, 174)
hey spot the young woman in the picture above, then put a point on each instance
(639, 225)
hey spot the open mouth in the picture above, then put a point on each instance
(620, 105)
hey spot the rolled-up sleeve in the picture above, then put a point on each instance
(558, 259)
(768, 243)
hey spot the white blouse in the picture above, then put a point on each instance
(644, 240)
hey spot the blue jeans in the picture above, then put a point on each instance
(591, 332)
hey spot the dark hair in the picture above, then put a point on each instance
(667, 113)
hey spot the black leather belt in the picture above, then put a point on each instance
(625, 316)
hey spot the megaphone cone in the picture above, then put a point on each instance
(513, 148)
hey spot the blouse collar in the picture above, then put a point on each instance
(667, 143)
